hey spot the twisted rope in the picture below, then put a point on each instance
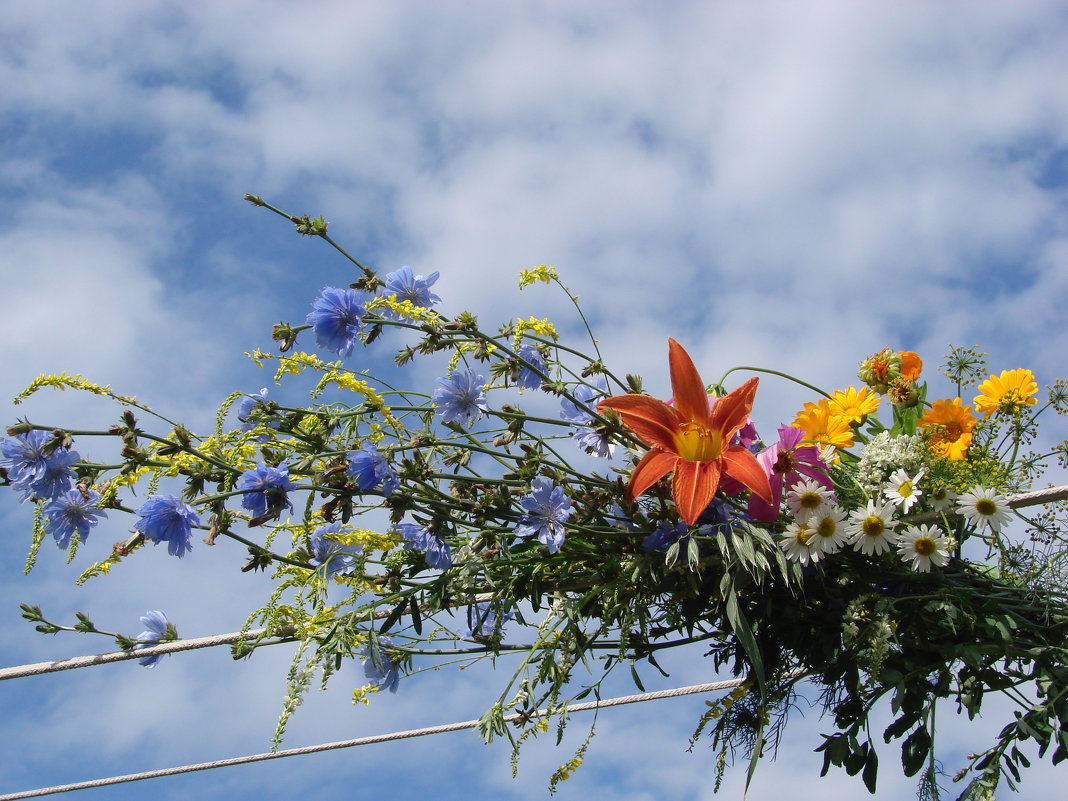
(376, 738)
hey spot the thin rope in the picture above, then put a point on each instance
(1050, 495)
(118, 656)
(377, 738)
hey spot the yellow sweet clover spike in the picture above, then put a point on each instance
(295, 363)
(563, 773)
(103, 567)
(542, 273)
(405, 308)
(257, 356)
(542, 328)
(68, 381)
(469, 347)
(359, 695)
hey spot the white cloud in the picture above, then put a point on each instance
(772, 184)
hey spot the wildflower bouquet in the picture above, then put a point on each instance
(865, 556)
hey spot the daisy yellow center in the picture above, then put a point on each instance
(810, 500)
(695, 443)
(827, 527)
(924, 546)
(985, 506)
(804, 535)
(905, 490)
(873, 526)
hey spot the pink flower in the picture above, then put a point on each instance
(785, 465)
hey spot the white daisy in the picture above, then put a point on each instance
(799, 543)
(831, 533)
(807, 499)
(871, 529)
(984, 507)
(942, 498)
(902, 490)
(924, 546)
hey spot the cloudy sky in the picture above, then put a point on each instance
(788, 184)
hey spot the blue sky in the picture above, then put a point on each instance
(793, 185)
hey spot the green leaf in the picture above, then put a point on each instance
(396, 614)
(417, 618)
(871, 770)
(914, 750)
(636, 678)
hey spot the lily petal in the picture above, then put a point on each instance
(654, 466)
(743, 466)
(651, 419)
(687, 388)
(693, 487)
(732, 410)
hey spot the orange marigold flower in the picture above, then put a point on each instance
(1009, 392)
(911, 365)
(947, 427)
(854, 406)
(822, 424)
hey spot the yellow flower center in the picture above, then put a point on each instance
(924, 546)
(810, 500)
(905, 490)
(986, 507)
(827, 527)
(873, 526)
(804, 535)
(695, 443)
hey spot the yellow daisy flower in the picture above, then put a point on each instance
(1009, 392)
(947, 427)
(854, 406)
(822, 424)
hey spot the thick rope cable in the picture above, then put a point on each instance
(376, 738)
(1050, 495)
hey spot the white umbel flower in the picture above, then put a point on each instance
(871, 529)
(984, 507)
(923, 546)
(902, 490)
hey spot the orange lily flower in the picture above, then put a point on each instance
(690, 439)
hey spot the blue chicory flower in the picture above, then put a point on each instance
(482, 621)
(588, 438)
(378, 667)
(420, 538)
(618, 518)
(371, 468)
(337, 318)
(72, 512)
(245, 409)
(265, 490)
(461, 397)
(158, 629)
(547, 508)
(413, 288)
(36, 474)
(665, 535)
(527, 378)
(330, 556)
(164, 518)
